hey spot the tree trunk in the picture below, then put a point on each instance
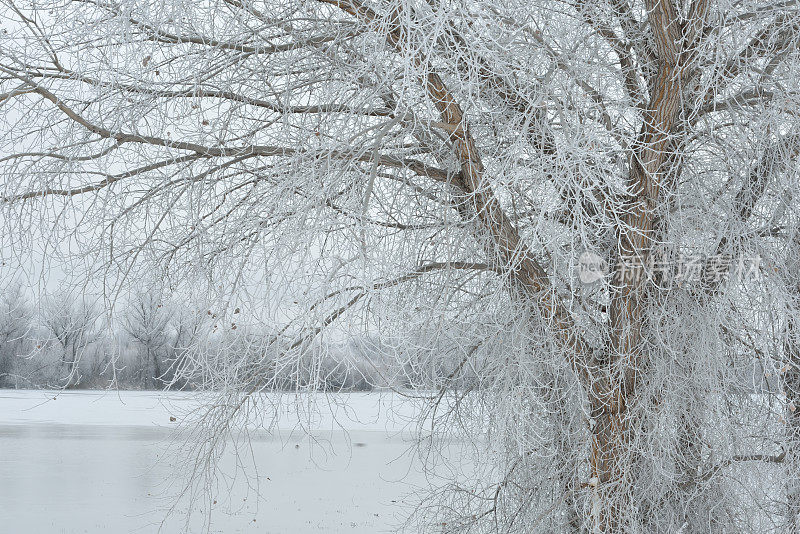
(156, 368)
(609, 459)
(614, 392)
(791, 387)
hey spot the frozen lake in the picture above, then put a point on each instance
(91, 462)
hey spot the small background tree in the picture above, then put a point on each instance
(15, 332)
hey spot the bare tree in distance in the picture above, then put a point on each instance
(71, 323)
(15, 325)
(147, 321)
(186, 333)
(433, 171)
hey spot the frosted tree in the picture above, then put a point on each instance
(70, 322)
(15, 326)
(186, 331)
(436, 173)
(147, 322)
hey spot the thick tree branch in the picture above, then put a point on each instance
(514, 255)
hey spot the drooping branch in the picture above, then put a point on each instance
(199, 151)
(504, 236)
(195, 92)
(785, 150)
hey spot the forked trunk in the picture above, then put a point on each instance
(613, 392)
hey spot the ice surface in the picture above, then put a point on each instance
(90, 462)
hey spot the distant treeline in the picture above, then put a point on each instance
(152, 342)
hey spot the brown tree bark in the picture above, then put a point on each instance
(610, 381)
(614, 392)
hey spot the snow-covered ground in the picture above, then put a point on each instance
(90, 462)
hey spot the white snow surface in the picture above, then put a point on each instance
(374, 411)
(114, 461)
